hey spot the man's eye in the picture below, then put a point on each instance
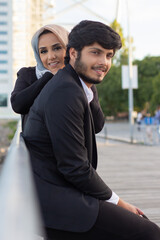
(109, 56)
(95, 52)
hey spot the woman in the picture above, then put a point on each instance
(49, 46)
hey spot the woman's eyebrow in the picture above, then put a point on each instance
(54, 45)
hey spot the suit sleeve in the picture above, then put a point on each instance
(26, 90)
(97, 113)
(64, 117)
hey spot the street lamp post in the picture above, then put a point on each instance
(130, 89)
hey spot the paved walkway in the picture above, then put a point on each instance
(133, 172)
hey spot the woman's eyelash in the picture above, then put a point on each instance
(43, 51)
(57, 48)
(54, 49)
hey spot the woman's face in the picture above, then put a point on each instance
(51, 52)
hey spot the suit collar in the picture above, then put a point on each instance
(71, 70)
(75, 76)
(88, 92)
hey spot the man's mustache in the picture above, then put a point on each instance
(99, 67)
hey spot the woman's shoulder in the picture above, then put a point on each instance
(24, 70)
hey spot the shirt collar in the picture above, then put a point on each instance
(87, 90)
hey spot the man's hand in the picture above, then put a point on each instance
(129, 207)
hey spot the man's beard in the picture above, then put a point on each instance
(81, 68)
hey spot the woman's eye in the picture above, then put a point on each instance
(57, 48)
(43, 51)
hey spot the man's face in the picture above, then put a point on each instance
(93, 63)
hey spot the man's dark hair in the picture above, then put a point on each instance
(89, 32)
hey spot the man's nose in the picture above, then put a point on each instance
(103, 60)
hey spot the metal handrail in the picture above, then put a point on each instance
(20, 217)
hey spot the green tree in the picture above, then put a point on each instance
(117, 27)
(112, 98)
(122, 55)
(148, 81)
(155, 100)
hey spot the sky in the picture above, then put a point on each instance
(139, 17)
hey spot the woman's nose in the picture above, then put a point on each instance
(51, 55)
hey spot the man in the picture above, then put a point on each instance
(75, 202)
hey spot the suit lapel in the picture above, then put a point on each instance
(75, 76)
(73, 73)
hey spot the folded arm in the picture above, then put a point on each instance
(26, 90)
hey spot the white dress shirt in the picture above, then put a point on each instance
(89, 94)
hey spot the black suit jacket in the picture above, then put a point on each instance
(60, 137)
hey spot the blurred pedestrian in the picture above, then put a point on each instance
(157, 115)
(157, 120)
(139, 120)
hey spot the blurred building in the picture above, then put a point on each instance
(19, 19)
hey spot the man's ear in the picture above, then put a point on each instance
(73, 54)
